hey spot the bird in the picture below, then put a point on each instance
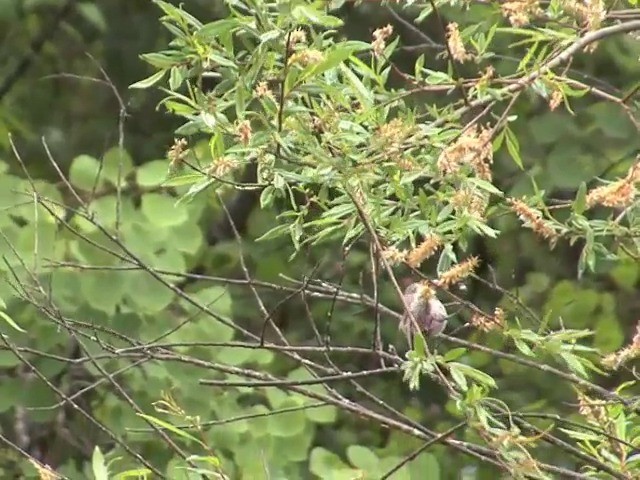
(428, 312)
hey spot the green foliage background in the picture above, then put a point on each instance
(64, 103)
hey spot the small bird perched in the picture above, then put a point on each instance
(428, 312)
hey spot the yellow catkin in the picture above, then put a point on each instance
(177, 153)
(455, 44)
(486, 323)
(44, 471)
(472, 148)
(221, 166)
(244, 132)
(615, 360)
(306, 57)
(394, 256)
(471, 202)
(532, 219)
(262, 90)
(424, 251)
(618, 194)
(458, 272)
(519, 12)
(589, 13)
(555, 100)
(298, 36)
(380, 36)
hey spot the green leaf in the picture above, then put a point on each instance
(447, 258)
(290, 423)
(458, 377)
(149, 81)
(587, 257)
(419, 67)
(104, 290)
(217, 301)
(523, 347)
(180, 108)
(498, 141)
(116, 165)
(11, 322)
(332, 59)
(233, 356)
(626, 274)
(213, 31)
(480, 377)
(454, 354)
(84, 172)
(270, 35)
(325, 414)
(136, 474)
(324, 463)
(177, 14)
(91, 12)
(222, 61)
(621, 425)
(425, 466)
(98, 466)
(482, 228)
(196, 189)
(275, 232)
(152, 174)
(180, 180)
(574, 364)
(105, 210)
(267, 196)
(420, 345)
(486, 186)
(214, 461)
(187, 239)
(580, 203)
(302, 13)
(513, 147)
(436, 78)
(387, 463)
(163, 60)
(578, 435)
(363, 458)
(365, 95)
(149, 295)
(171, 428)
(176, 77)
(162, 211)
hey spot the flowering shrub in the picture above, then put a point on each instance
(344, 155)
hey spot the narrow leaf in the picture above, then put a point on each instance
(580, 203)
(99, 468)
(151, 80)
(11, 322)
(170, 427)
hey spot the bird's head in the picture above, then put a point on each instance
(420, 290)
